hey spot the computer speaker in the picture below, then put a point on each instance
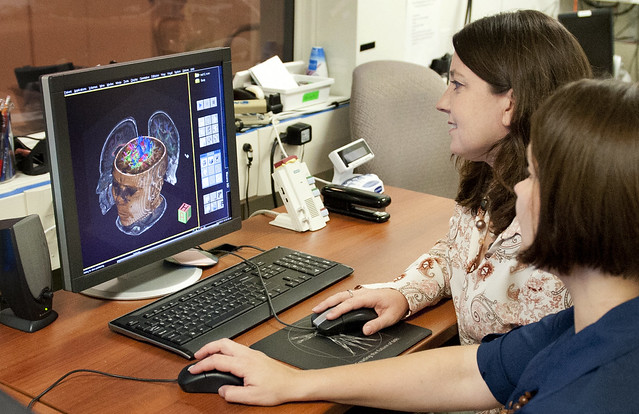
(25, 274)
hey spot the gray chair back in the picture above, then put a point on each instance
(393, 108)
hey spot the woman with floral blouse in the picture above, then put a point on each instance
(502, 69)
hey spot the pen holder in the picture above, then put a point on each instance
(7, 155)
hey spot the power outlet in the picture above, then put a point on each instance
(245, 141)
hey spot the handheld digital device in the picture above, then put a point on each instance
(345, 159)
(143, 166)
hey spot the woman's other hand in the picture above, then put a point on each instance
(391, 306)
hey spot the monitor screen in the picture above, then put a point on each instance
(143, 166)
(594, 32)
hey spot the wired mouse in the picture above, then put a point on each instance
(352, 321)
(207, 381)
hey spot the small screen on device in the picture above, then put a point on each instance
(354, 152)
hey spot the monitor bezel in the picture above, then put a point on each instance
(588, 26)
(63, 186)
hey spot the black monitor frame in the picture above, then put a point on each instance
(60, 158)
(594, 32)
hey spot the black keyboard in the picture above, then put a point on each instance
(229, 302)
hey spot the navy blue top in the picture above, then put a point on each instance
(596, 370)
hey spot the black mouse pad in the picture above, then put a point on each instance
(310, 350)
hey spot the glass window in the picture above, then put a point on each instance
(97, 32)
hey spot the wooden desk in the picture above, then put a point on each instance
(80, 338)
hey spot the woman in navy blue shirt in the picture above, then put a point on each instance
(580, 204)
(579, 215)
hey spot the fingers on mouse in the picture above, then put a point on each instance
(349, 322)
(206, 381)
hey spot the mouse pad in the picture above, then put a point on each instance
(310, 350)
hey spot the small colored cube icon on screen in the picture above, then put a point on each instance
(184, 213)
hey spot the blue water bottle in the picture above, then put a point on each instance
(317, 63)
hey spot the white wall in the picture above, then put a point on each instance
(411, 30)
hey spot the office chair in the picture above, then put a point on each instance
(393, 109)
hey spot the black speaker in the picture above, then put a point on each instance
(25, 274)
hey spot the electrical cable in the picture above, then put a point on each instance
(248, 150)
(174, 380)
(91, 371)
(305, 112)
(268, 297)
(273, 147)
(265, 212)
(246, 192)
(622, 12)
(321, 180)
(276, 119)
(284, 116)
(274, 122)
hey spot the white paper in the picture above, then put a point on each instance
(422, 31)
(272, 74)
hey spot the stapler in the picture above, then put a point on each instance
(355, 202)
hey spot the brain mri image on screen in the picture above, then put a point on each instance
(133, 169)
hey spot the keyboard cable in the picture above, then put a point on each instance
(263, 283)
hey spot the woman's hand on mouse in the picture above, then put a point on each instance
(266, 381)
(390, 305)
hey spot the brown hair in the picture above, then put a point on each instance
(532, 54)
(585, 146)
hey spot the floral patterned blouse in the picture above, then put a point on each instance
(492, 294)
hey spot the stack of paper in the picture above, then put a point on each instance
(272, 74)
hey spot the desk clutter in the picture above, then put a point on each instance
(288, 81)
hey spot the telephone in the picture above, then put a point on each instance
(304, 207)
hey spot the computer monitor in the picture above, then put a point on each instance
(594, 32)
(143, 166)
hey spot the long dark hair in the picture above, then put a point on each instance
(532, 54)
(585, 154)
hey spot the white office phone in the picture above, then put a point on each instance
(296, 186)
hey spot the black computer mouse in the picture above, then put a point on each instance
(207, 381)
(350, 322)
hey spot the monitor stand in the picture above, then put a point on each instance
(151, 281)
